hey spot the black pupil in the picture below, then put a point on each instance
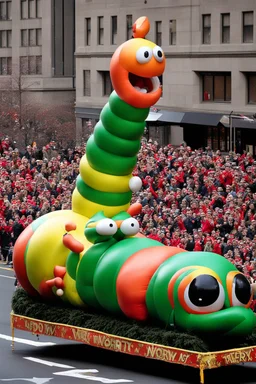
(159, 53)
(111, 225)
(146, 54)
(204, 290)
(132, 224)
(242, 289)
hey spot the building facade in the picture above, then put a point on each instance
(37, 44)
(210, 47)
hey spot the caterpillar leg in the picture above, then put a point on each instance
(45, 288)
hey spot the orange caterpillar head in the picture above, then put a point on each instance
(135, 67)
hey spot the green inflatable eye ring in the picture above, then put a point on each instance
(110, 143)
(106, 162)
(104, 198)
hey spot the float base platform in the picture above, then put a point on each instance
(199, 360)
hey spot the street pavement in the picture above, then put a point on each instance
(57, 361)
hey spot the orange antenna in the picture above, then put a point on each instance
(141, 27)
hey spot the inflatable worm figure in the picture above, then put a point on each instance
(105, 182)
(141, 278)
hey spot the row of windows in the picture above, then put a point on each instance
(216, 87)
(247, 28)
(29, 38)
(29, 65)
(29, 9)
(129, 23)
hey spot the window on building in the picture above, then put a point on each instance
(31, 65)
(38, 36)
(216, 86)
(31, 9)
(251, 79)
(128, 27)
(206, 29)
(159, 33)
(172, 32)
(107, 87)
(225, 28)
(113, 30)
(6, 39)
(88, 31)
(5, 10)
(247, 27)
(39, 65)
(87, 83)
(5, 66)
(100, 30)
(32, 37)
(24, 37)
(24, 9)
(38, 9)
(8, 10)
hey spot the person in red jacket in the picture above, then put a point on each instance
(217, 247)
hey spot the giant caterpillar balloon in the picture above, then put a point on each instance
(141, 278)
(87, 258)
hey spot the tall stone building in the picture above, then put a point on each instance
(210, 47)
(37, 44)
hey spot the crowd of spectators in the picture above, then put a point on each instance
(199, 200)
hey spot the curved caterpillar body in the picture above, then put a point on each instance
(142, 278)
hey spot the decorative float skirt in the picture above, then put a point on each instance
(133, 347)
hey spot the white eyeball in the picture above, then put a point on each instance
(130, 227)
(144, 55)
(158, 53)
(106, 227)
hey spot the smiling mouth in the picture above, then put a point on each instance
(144, 84)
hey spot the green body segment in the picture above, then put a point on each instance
(116, 145)
(86, 271)
(105, 198)
(109, 266)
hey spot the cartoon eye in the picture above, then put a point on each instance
(204, 295)
(241, 291)
(158, 53)
(106, 227)
(144, 55)
(130, 227)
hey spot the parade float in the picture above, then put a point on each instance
(87, 274)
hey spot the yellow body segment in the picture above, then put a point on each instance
(46, 249)
(102, 181)
(86, 207)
